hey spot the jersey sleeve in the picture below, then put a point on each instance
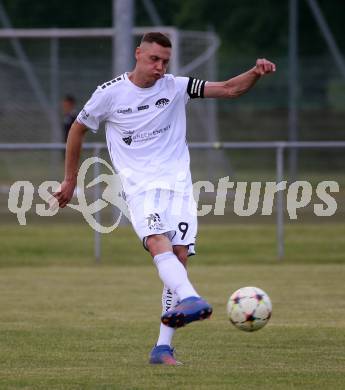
(192, 87)
(95, 111)
(195, 88)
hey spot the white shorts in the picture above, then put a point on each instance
(161, 211)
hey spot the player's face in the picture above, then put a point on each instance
(152, 60)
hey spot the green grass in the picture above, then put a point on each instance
(72, 245)
(66, 323)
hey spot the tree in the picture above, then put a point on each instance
(245, 27)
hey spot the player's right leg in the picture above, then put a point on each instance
(153, 226)
(171, 271)
(174, 275)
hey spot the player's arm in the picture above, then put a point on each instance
(240, 84)
(73, 149)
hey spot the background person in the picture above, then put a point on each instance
(69, 114)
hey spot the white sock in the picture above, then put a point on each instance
(169, 300)
(166, 335)
(174, 275)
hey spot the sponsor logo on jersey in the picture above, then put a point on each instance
(154, 222)
(124, 110)
(141, 108)
(128, 140)
(128, 132)
(84, 114)
(143, 136)
(162, 102)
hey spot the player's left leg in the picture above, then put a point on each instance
(169, 301)
(151, 225)
(174, 276)
(162, 352)
(181, 252)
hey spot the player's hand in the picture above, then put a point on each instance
(65, 193)
(264, 66)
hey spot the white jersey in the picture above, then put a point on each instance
(145, 130)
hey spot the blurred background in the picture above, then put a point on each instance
(80, 310)
(54, 54)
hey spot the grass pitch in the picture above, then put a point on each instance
(68, 324)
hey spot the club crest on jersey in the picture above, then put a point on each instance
(162, 102)
(154, 222)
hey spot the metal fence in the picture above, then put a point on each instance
(278, 148)
(39, 66)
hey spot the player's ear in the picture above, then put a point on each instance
(137, 53)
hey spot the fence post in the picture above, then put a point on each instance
(97, 195)
(280, 202)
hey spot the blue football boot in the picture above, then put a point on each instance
(188, 310)
(163, 354)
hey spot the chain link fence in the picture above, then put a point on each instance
(34, 80)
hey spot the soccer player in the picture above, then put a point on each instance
(145, 122)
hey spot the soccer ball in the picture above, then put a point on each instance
(249, 308)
